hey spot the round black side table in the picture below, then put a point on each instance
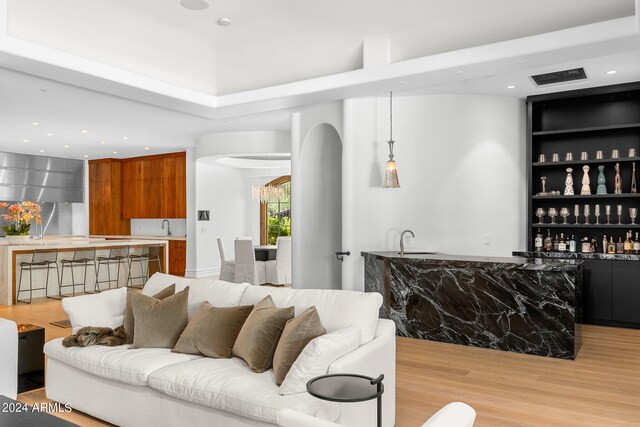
(345, 388)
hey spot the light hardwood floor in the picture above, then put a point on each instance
(601, 388)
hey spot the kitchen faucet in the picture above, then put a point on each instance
(168, 226)
(402, 241)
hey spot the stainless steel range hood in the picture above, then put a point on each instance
(41, 178)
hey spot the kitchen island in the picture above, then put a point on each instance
(12, 255)
(513, 304)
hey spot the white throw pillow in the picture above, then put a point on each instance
(317, 356)
(105, 309)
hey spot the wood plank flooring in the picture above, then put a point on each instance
(601, 388)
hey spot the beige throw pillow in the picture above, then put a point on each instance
(258, 338)
(297, 333)
(159, 323)
(129, 320)
(213, 330)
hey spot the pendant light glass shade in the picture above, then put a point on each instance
(391, 170)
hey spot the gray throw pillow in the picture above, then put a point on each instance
(159, 323)
(258, 338)
(129, 320)
(213, 330)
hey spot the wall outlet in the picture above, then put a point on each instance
(203, 230)
(487, 239)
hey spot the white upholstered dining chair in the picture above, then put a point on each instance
(247, 269)
(227, 266)
(279, 270)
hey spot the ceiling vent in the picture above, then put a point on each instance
(559, 77)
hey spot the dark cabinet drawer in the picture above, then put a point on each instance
(626, 291)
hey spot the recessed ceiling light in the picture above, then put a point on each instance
(125, 137)
(115, 152)
(224, 22)
(523, 61)
(49, 134)
(66, 146)
(35, 123)
(84, 131)
(194, 4)
(611, 72)
(102, 142)
(146, 148)
(25, 140)
(403, 82)
(460, 72)
(511, 87)
(42, 151)
(85, 156)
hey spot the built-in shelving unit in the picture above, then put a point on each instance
(590, 120)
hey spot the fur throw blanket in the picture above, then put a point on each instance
(92, 335)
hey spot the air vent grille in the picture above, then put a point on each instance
(559, 77)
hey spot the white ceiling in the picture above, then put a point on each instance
(137, 45)
(64, 111)
(281, 41)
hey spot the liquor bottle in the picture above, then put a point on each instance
(556, 241)
(619, 246)
(611, 247)
(634, 186)
(604, 244)
(636, 245)
(573, 246)
(548, 242)
(537, 245)
(586, 245)
(594, 245)
(562, 244)
(628, 246)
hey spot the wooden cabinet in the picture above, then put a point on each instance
(154, 186)
(626, 292)
(105, 186)
(596, 290)
(177, 257)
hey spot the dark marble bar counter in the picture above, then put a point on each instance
(577, 255)
(514, 304)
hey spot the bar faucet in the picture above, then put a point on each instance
(402, 241)
(168, 227)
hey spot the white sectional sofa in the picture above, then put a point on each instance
(8, 358)
(144, 387)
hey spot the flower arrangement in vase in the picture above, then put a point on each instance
(19, 216)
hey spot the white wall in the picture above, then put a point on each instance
(461, 170)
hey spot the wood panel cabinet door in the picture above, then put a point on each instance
(596, 290)
(105, 183)
(174, 187)
(152, 188)
(133, 189)
(177, 257)
(626, 292)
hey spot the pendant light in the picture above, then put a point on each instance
(391, 171)
(268, 193)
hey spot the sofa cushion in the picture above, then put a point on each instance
(213, 330)
(129, 321)
(115, 363)
(337, 309)
(105, 309)
(216, 292)
(260, 333)
(159, 323)
(229, 385)
(296, 335)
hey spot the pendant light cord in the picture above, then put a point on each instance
(390, 116)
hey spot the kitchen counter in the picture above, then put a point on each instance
(577, 255)
(514, 304)
(12, 255)
(145, 237)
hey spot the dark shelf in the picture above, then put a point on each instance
(593, 226)
(587, 129)
(586, 162)
(589, 197)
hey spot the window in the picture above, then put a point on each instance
(275, 217)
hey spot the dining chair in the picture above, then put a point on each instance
(279, 271)
(227, 266)
(247, 269)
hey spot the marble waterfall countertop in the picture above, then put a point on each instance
(12, 254)
(514, 304)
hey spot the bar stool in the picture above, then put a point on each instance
(149, 254)
(40, 260)
(81, 258)
(116, 256)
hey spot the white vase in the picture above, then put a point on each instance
(18, 240)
